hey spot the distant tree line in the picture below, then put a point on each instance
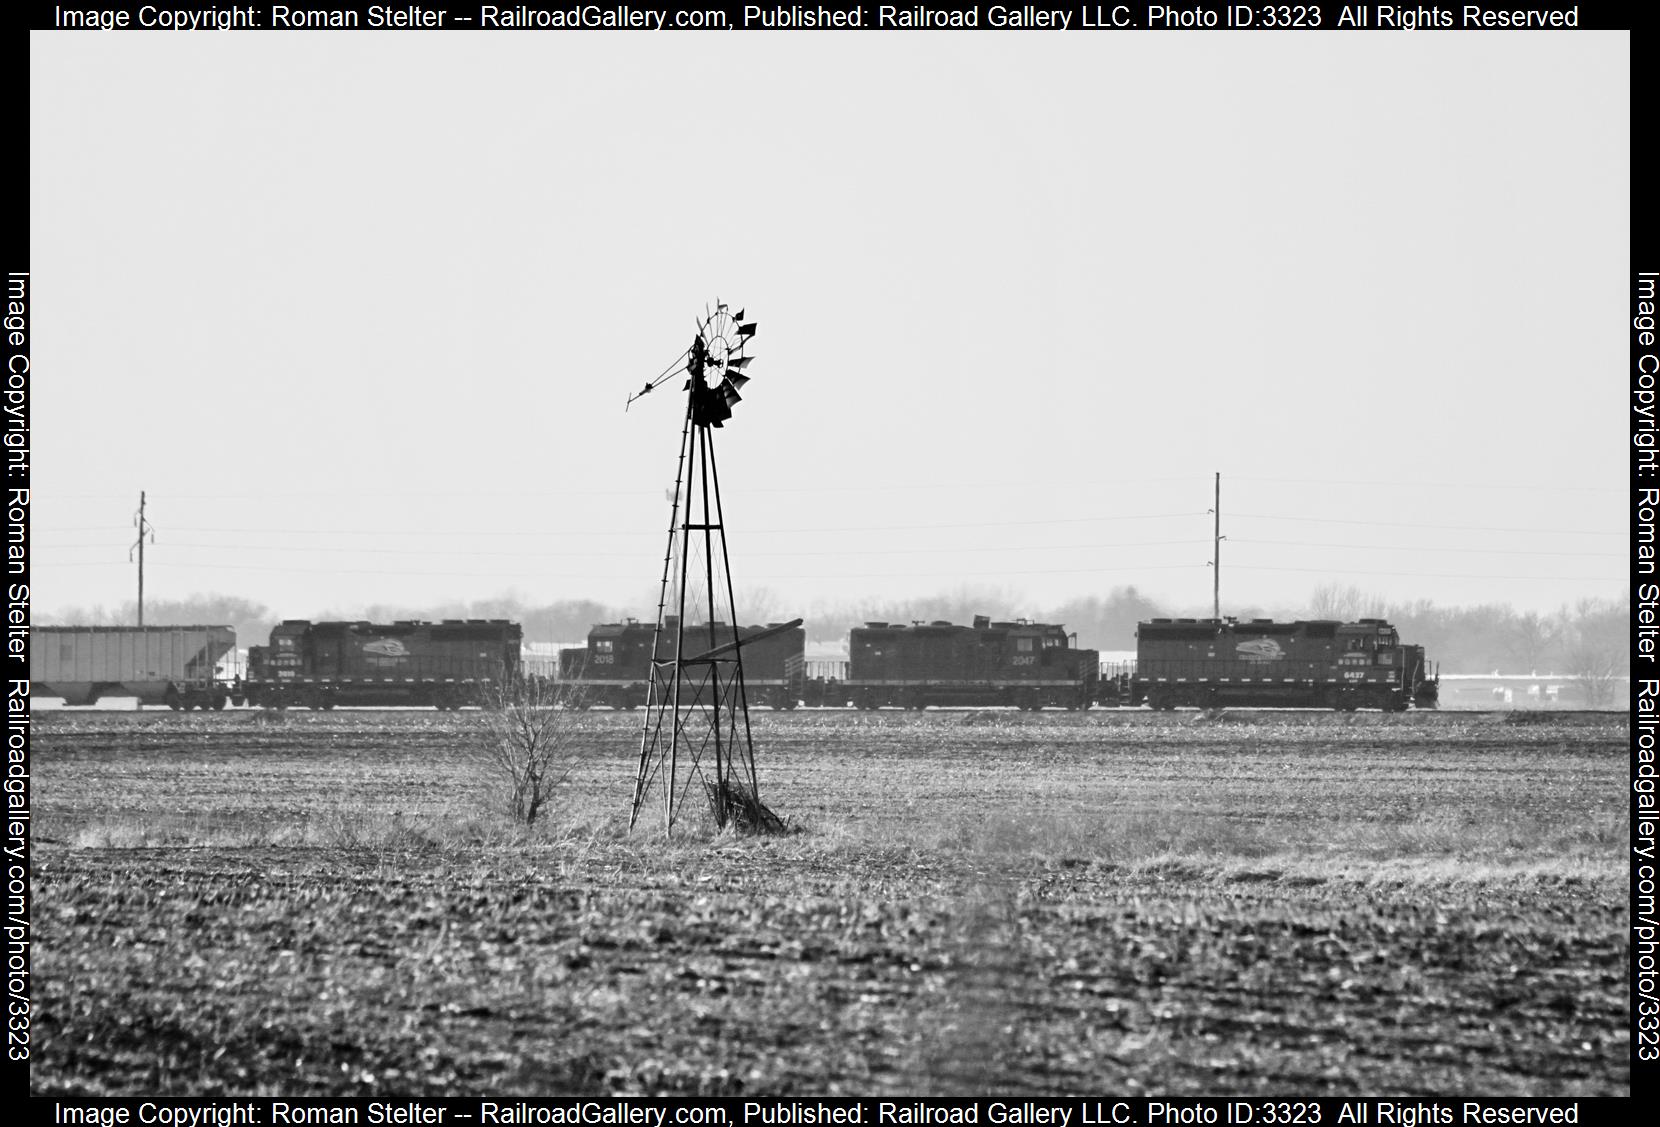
(1587, 640)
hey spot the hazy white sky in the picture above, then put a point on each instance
(360, 312)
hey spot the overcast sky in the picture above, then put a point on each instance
(360, 312)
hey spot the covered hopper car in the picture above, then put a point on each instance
(172, 665)
(1211, 662)
(615, 666)
(440, 664)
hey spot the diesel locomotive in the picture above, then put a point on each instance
(322, 664)
(1028, 665)
(614, 668)
(1210, 663)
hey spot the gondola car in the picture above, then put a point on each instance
(1211, 662)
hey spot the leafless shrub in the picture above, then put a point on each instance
(525, 738)
(1598, 671)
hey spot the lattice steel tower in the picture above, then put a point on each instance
(697, 714)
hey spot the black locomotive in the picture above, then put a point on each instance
(1029, 665)
(1317, 664)
(322, 664)
(615, 666)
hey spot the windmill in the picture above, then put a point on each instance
(697, 714)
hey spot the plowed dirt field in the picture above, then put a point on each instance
(973, 903)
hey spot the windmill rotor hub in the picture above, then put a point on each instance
(714, 365)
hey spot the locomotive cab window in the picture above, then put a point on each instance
(1023, 645)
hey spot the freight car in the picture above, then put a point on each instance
(1026, 664)
(1211, 662)
(614, 668)
(172, 665)
(322, 664)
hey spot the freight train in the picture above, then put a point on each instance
(1201, 663)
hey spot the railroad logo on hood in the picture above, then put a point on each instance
(386, 647)
(1260, 649)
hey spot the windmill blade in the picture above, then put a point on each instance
(747, 330)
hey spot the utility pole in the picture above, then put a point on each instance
(1216, 555)
(143, 527)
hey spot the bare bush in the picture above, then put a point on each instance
(526, 738)
(1598, 671)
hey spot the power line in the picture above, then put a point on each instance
(1437, 484)
(748, 579)
(885, 487)
(1420, 549)
(1442, 575)
(657, 535)
(952, 550)
(1409, 524)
